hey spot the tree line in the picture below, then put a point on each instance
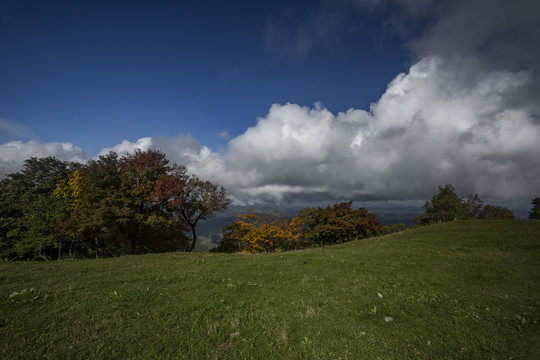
(139, 203)
(110, 206)
(447, 205)
(251, 233)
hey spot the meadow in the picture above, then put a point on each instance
(459, 290)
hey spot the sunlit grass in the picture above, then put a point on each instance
(462, 290)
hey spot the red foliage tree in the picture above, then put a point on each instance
(341, 223)
(190, 198)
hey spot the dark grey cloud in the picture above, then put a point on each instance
(500, 33)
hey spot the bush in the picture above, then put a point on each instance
(394, 228)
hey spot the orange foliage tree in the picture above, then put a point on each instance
(251, 233)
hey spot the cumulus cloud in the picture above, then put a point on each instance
(14, 153)
(428, 129)
(465, 113)
(447, 120)
(128, 147)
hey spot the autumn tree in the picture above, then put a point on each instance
(189, 198)
(112, 209)
(341, 223)
(494, 212)
(251, 233)
(477, 210)
(94, 195)
(109, 206)
(311, 227)
(535, 211)
(139, 173)
(474, 206)
(303, 224)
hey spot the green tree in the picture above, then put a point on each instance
(535, 211)
(444, 206)
(11, 215)
(30, 211)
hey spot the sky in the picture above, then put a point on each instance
(283, 102)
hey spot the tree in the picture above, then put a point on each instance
(494, 212)
(394, 228)
(303, 224)
(190, 198)
(139, 173)
(341, 223)
(444, 206)
(30, 211)
(535, 211)
(474, 206)
(106, 206)
(112, 208)
(251, 233)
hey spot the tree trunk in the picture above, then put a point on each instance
(44, 257)
(192, 247)
(59, 251)
(97, 247)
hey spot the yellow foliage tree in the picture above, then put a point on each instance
(71, 188)
(251, 233)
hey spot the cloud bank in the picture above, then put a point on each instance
(465, 113)
(14, 153)
(445, 121)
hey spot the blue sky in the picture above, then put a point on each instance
(95, 73)
(284, 101)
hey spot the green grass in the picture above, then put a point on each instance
(461, 290)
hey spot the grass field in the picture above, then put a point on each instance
(461, 290)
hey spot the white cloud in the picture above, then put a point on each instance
(465, 113)
(14, 153)
(128, 147)
(445, 121)
(224, 135)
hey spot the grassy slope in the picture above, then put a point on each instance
(458, 290)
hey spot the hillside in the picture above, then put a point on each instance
(461, 290)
